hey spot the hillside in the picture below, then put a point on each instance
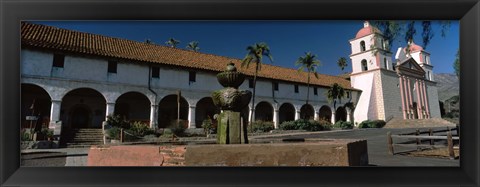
(448, 85)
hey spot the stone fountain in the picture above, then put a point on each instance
(232, 126)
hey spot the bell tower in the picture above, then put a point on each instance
(370, 50)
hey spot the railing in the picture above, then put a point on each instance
(430, 137)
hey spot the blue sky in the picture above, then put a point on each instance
(288, 40)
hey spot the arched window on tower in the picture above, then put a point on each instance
(362, 46)
(385, 63)
(364, 65)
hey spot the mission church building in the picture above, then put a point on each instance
(403, 88)
(75, 80)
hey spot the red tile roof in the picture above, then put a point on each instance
(48, 37)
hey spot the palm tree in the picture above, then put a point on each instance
(335, 92)
(310, 64)
(342, 63)
(172, 42)
(193, 46)
(255, 54)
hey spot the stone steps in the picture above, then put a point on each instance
(76, 138)
(418, 123)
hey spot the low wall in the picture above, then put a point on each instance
(308, 153)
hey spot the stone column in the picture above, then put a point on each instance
(275, 118)
(410, 101)
(333, 118)
(426, 99)
(402, 97)
(191, 116)
(153, 116)
(110, 110)
(55, 110)
(297, 114)
(349, 114)
(316, 115)
(419, 100)
(251, 115)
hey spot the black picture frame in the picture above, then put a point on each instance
(12, 12)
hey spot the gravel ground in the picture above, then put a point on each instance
(36, 159)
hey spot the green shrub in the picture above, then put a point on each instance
(140, 129)
(118, 121)
(114, 133)
(308, 125)
(178, 127)
(208, 126)
(288, 125)
(25, 136)
(372, 124)
(261, 126)
(343, 125)
(326, 125)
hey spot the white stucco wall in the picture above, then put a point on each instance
(391, 95)
(433, 104)
(36, 63)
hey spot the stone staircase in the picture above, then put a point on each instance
(74, 138)
(418, 123)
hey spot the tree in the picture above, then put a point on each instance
(334, 93)
(255, 54)
(456, 64)
(393, 30)
(193, 46)
(172, 42)
(342, 63)
(310, 64)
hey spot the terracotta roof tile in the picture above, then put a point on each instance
(35, 35)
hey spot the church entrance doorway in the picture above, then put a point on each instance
(415, 111)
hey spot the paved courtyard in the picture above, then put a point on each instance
(376, 140)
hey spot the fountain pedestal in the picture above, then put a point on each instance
(231, 128)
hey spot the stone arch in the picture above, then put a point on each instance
(341, 114)
(168, 110)
(205, 109)
(83, 108)
(325, 113)
(133, 106)
(307, 112)
(35, 101)
(286, 113)
(264, 111)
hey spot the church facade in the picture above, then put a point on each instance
(392, 88)
(75, 80)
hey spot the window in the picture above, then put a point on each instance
(362, 46)
(275, 86)
(112, 67)
(296, 88)
(393, 66)
(426, 59)
(385, 63)
(155, 72)
(428, 75)
(315, 91)
(192, 76)
(382, 43)
(58, 60)
(250, 83)
(364, 65)
(348, 94)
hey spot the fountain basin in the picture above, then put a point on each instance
(309, 152)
